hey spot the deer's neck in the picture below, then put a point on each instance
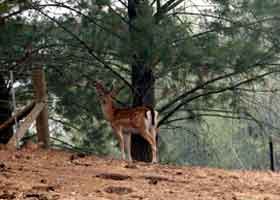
(108, 111)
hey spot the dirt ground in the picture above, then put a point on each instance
(35, 174)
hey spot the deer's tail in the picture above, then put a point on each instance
(153, 116)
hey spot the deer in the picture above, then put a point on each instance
(126, 121)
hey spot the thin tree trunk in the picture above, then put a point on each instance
(40, 87)
(271, 154)
(5, 111)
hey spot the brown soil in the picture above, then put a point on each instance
(35, 174)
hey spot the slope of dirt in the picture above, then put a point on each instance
(35, 174)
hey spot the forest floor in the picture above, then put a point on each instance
(35, 174)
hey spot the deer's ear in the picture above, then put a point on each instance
(99, 88)
(113, 93)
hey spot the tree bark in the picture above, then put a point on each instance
(143, 83)
(40, 87)
(5, 111)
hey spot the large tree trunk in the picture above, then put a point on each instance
(5, 111)
(142, 80)
(143, 83)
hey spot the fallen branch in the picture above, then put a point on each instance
(32, 116)
(19, 116)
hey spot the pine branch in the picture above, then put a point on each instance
(205, 15)
(206, 83)
(123, 3)
(169, 5)
(13, 14)
(61, 5)
(70, 146)
(84, 44)
(209, 93)
(64, 123)
(27, 57)
(207, 115)
(168, 105)
(258, 91)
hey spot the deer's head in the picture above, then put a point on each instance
(104, 95)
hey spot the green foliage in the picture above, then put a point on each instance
(7, 5)
(185, 49)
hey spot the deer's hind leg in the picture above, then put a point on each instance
(153, 131)
(148, 136)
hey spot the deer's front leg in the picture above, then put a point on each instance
(121, 141)
(128, 145)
